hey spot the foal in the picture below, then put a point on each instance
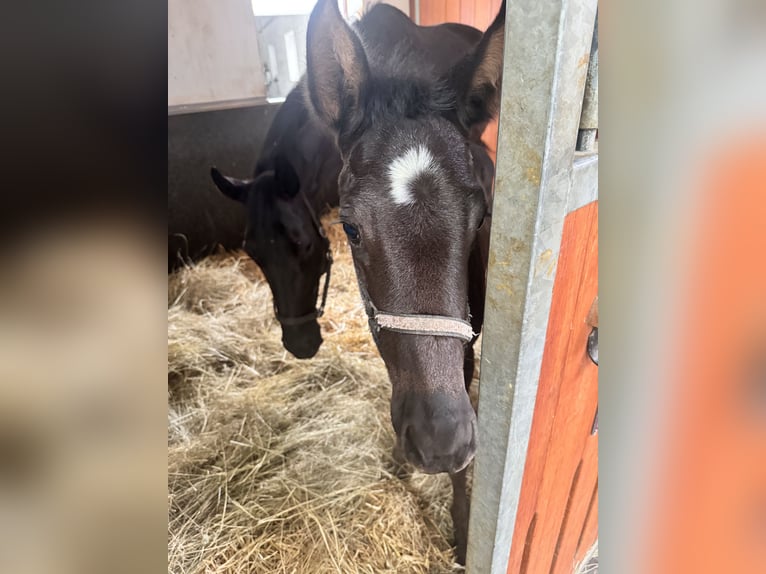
(406, 121)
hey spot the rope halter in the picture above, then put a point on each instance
(416, 324)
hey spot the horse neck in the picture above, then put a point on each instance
(477, 276)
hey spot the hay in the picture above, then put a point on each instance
(281, 465)
(589, 563)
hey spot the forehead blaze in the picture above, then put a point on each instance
(415, 178)
(405, 169)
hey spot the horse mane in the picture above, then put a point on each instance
(402, 96)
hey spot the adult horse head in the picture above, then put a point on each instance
(406, 121)
(287, 241)
(296, 176)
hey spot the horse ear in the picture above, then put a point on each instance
(288, 183)
(337, 69)
(478, 77)
(484, 169)
(231, 187)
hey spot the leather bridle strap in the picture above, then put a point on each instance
(319, 311)
(293, 321)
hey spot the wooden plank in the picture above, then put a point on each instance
(589, 533)
(482, 14)
(579, 504)
(467, 10)
(476, 13)
(567, 398)
(452, 11)
(440, 11)
(432, 12)
(583, 375)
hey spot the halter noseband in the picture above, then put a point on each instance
(416, 324)
(319, 311)
(436, 325)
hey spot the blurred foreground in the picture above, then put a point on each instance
(81, 401)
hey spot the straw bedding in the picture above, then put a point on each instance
(282, 465)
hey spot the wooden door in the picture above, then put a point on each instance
(709, 512)
(557, 519)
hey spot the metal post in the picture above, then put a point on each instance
(547, 46)
(586, 139)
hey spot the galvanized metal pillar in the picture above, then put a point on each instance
(547, 46)
(586, 139)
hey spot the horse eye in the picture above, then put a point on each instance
(352, 233)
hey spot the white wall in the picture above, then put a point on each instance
(212, 52)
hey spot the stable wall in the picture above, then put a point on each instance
(213, 52)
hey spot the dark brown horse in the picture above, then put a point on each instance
(407, 105)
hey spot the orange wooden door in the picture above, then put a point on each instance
(710, 514)
(557, 519)
(476, 13)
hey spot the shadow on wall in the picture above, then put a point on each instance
(199, 217)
